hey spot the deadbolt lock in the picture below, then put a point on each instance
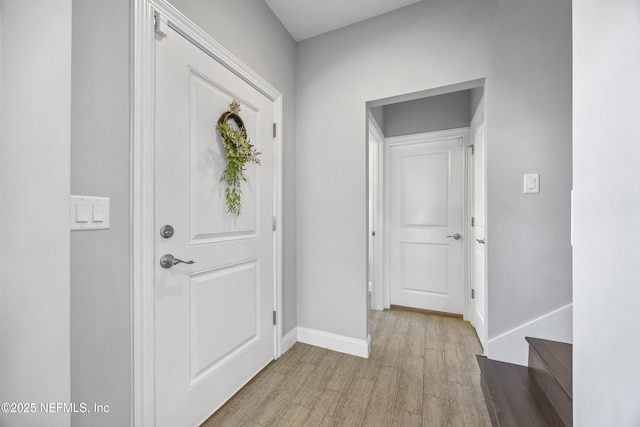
(166, 231)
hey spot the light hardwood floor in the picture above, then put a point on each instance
(422, 372)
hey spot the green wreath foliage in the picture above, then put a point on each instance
(239, 152)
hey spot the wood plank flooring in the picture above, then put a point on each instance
(422, 372)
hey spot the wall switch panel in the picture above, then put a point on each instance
(532, 183)
(89, 213)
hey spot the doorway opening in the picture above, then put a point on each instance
(426, 211)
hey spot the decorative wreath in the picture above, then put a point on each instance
(239, 152)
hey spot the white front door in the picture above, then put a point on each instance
(213, 318)
(426, 202)
(478, 278)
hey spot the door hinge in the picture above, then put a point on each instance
(274, 221)
(473, 221)
(274, 130)
(274, 317)
(473, 294)
(473, 149)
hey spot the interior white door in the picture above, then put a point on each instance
(213, 318)
(478, 285)
(426, 196)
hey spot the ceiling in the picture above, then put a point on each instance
(307, 18)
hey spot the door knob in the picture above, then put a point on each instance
(456, 236)
(168, 261)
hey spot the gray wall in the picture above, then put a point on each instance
(100, 260)
(268, 49)
(35, 117)
(377, 114)
(606, 89)
(440, 112)
(523, 49)
(475, 96)
(100, 153)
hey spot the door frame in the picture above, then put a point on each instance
(150, 21)
(467, 194)
(377, 187)
(478, 118)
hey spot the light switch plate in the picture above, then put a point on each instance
(531, 183)
(89, 213)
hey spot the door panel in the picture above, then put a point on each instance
(425, 206)
(214, 328)
(424, 190)
(425, 268)
(209, 217)
(224, 295)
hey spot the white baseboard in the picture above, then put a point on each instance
(289, 340)
(335, 342)
(513, 348)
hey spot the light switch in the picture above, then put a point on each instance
(532, 183)
(89, 213)
(98, 212)
(82, 212)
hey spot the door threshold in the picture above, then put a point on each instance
(420, 310)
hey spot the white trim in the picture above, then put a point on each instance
(468, 229)
(375, 127)
(277, 206)
(289, 340)
(386, 213)
(434, 136)
(142, 184)
(510, 346)
(378, 295)
(335, 342)
(141, 193)
(478, 119)
(416, 138)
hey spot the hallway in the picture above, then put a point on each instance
(422, 372)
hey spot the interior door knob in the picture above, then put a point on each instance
(168, 261)
(456, 236)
